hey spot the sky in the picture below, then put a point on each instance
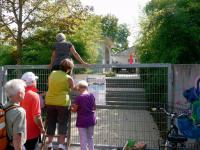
(127, 11)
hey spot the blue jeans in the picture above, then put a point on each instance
(86, 138)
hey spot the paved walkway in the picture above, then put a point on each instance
(115, 126)
(70, 148)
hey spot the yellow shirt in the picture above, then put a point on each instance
(58, 89)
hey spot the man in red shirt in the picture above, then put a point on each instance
(31, 104)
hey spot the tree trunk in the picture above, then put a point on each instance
(19, 49)
(19, 35)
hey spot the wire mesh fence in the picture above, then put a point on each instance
(124, 95)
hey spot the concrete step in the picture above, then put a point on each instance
(124, 85)
(124, 92)
(124, 80)
(127, 103)
(115, 89)
(129, 99)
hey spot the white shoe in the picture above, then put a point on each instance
(49, 146)
(62, 147)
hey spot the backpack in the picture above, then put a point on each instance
(3, 133)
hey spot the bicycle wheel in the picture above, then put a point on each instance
(168, 145)
(183, 146)
(172, 146)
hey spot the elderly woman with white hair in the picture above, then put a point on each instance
(62, 50)
(15, 115)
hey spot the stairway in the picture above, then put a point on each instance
(125, 91)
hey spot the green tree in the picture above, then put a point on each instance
(37, 49)
(117, 33)
(24, 16)
(6, 55)
(87, 38)
(70, 16)
(122, 34)
(109, 27)
(18, 16)
(170, 32)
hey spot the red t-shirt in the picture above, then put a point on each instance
(31, 104)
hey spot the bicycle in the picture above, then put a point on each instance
(174, 140)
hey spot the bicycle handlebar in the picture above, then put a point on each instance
(165, 111)
(174, 115)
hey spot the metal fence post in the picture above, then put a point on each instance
(170, 86)
(1, 83)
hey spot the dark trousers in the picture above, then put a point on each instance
(31, 144)
(57, 114)
(10, 147)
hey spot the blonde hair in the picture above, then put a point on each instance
(66, 64)
(14, 86)
(83, 83)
